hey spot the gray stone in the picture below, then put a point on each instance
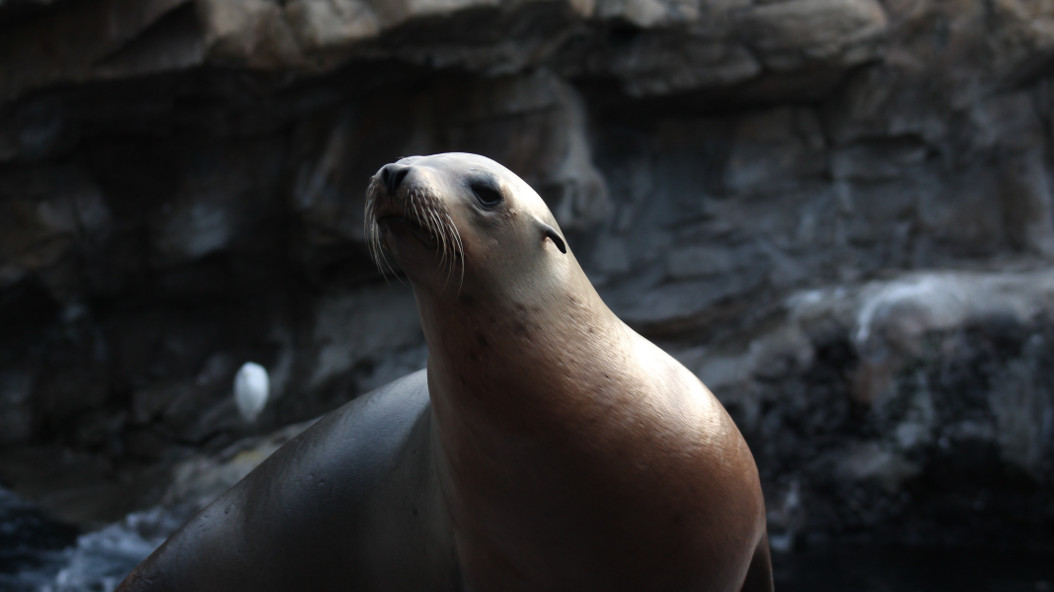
(670, 62)
(1023, 405)
(34, 131)
(788, 33)
(221, 194)
(329, 26)
(71, 43)
(877, 161)
(775, 149)
(44, 211)
(704, 261)
(16, 397)
(349, 327)
(867, 461)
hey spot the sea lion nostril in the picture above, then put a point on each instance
(392, 176)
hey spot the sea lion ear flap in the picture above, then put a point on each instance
(553, 235)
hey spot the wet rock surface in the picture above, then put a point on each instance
(837, 213)
(912, 410)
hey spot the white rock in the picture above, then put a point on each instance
(251, 387)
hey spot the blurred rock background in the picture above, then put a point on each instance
(837, 212)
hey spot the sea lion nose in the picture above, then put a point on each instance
(392, 175)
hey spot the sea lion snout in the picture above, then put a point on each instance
(392, 176)
(409, 221)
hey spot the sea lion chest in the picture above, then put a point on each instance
(592, 461)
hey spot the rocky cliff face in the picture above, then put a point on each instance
(837, 211)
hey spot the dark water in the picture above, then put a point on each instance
(39, 556)
(906, 569)
(26, 538)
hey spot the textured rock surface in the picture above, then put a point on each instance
(911, 401)
(837, 212)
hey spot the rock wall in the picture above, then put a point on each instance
(837, 211)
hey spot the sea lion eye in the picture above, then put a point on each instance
(487, 192)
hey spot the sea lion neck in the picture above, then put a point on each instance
(492, 345)
(535, 315)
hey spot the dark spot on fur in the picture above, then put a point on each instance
(481, 339)
(521, 330)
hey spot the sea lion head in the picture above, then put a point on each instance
(461, 224)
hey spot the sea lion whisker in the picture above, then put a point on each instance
(380, 258)
(438, 233)
(372, 230)
(415, 210)
(441, 239)
(448, 256)
(459, 250)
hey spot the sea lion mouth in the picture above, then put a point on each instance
(415, 212)
(398, 224)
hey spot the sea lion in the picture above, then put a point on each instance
(546, 446)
